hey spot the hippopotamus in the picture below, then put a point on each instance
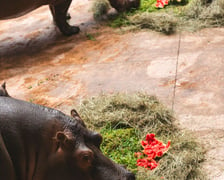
(42, 143)
(124, 5)
(59, 9)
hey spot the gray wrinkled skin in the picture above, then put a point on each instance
(41, 143)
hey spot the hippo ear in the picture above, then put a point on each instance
(61, 137)
(3, 91)
(4, 85)
(75, 115)
(66, 141)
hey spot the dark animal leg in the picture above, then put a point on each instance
(59, 12)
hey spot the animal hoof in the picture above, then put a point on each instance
(71, 30)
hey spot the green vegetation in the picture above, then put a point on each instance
(184, 15)
(125, 119)
(90, 37)
(148, 6)
(120, 146)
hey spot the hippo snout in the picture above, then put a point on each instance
(130, 176)
(127, 174)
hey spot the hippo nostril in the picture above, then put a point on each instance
(130, 176)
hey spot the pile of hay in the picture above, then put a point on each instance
(206, 13)
(161, 22)
(184, 15)
(146, 114)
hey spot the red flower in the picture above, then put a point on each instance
(168, 145)
(159, 154)
(152, 148)
(150, 137)
(161, 3)
(144, 143)
(138, 154)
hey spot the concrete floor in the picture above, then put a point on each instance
(185, 71)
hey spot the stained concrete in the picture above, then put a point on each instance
(185, 71)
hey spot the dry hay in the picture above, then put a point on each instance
(195, 15)
(147, 115)
(202, 14)
(161, 22)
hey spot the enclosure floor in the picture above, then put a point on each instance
(185, 71)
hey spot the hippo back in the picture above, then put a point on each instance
(27, 132)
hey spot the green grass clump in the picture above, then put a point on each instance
(119, 20)
(120, 146)
(125, 119)
(148, 6)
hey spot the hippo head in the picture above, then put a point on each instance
(124, 5)
(78, 157)
(3, 91)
